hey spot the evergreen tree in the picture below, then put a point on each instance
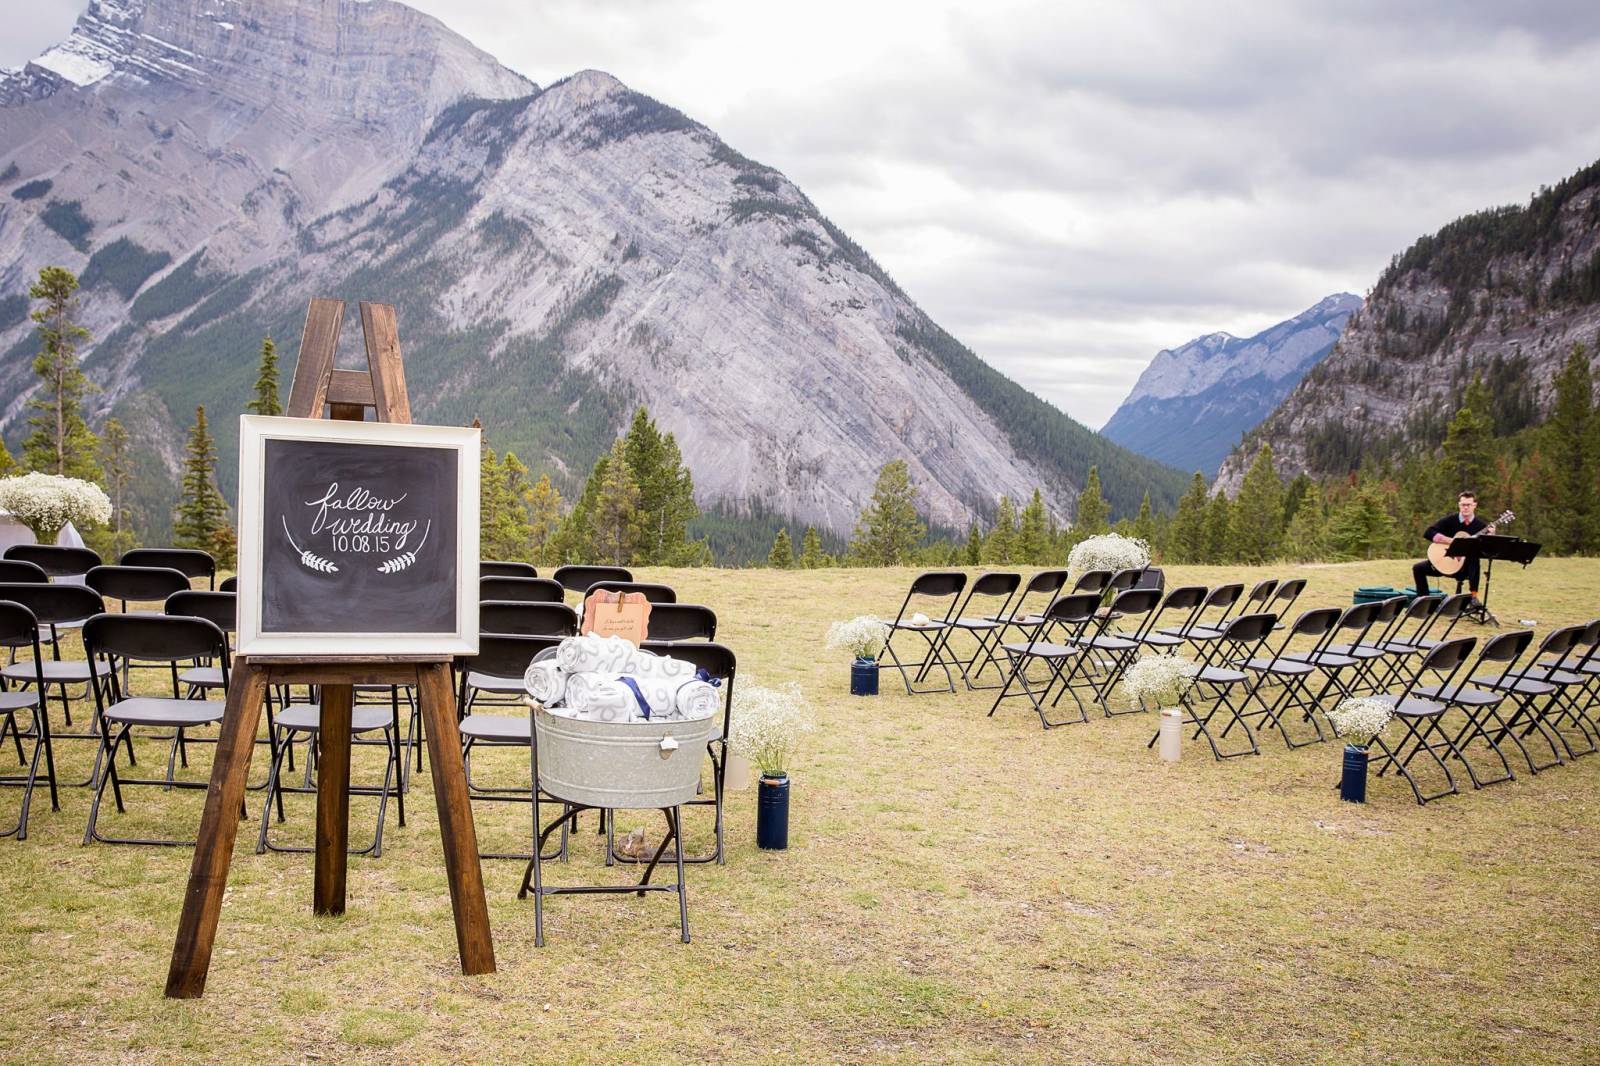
(1361, 529)
(1189, 528)
(782, 555)
(1094, 514)
(8, 465)
(1257, 512)
(543, 504)
(1468, 443)
(1567, 444)
(1218, 541)
(1307, 537)
(60, 441)
(202, 514)
(574, 540)
(1144, 526)
(266, 401)
(1033, 542)
(618, 531)
(503, 531)
(973, 555)
(118, 476)
(811, 554)
(1293, 495)
(889, 528)
(666, 494)
(1000, 546)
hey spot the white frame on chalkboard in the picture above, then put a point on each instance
(254, 432)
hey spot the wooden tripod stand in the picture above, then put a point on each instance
(347, 394)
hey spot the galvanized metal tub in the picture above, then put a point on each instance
(622, 765)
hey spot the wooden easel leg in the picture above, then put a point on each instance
(459, 836)
(333, 800)
(219, 825)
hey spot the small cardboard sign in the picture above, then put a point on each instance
(617, 614)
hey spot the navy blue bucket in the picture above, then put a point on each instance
(1353, 784)
(863, 678)
(772, 813)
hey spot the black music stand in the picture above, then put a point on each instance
(1490, 547)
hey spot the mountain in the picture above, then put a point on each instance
(1192, 403)
(1504, 293)
(557, 257)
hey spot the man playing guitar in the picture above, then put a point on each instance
(1465, 520)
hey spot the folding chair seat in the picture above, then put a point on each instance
(934, 586)
(1421, 717)
(190, 562)
(521, 589)
(135, 638)
(1239, 642)
(504, 568)
(1293, 674)
(1067, 616)
(20, 629)
(1480, 706)
(1530, 696)
(1223, 598)
(578, 578)
(1188, 598)
(653, 591)
(682, 621)
(984, 629)
(303, 722)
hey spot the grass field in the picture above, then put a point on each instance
(959, 888)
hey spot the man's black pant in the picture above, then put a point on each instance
(1424, 570)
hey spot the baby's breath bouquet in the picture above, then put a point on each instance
(1359, 719)
(863, 635)
(768, 724)
(47, 502)
(1112, 551)
(1160, 679)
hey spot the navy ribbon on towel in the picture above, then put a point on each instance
(703, 674)
(644, 704)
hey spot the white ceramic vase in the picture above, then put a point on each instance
(1171, 743)
(737, 776)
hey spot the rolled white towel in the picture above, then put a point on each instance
(599, 697)
(649, 664)
(595, 654)
(545, 682)
(697, 699)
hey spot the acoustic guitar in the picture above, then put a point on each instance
(1449, 566)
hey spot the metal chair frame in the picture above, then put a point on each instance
(1240, 641)
(933, 585)
(1071, 614)
(983, 628)
(1421, 718)
(19, 628)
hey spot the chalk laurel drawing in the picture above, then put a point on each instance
(400, 562)
(308, 559)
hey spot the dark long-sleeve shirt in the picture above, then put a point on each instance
(1451, 524)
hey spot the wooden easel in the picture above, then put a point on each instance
(347, 394)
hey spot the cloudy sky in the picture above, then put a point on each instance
(1069, 187)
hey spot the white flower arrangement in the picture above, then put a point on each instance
(1161, 679)
(864, 636)
(1360, 719)
(1111, 552)
(768, 724)
(47, 502)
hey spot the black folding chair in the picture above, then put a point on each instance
(1529, 695)
(1186, 600)
(1333, 665)
(682, 621)
(1480, 706)
(933, 586)
(1284, 598)
(1202, 630)
(229, 584)
(981, 626)
(19, 629)
(1108, 651)
(145, 639)
(651, 590)
(1574, 676)
(57, 560)
(1066, 620)
(1293, 675)
(1047, 584)
(579, 577)
(1092, 581)
(15, 571)
(527, 619)
(56, 607)
(524, 589)
(1368, 648)
(1420, 717)
(191, 562)
(503, 568)
(1240, 642)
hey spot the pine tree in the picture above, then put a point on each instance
(1094, 514)
(574, 540)
(7, 464)
(1000, 546)
(1469, 442)
(1306, 540)
(781, 557)
(1033, 540)
(973, 554)
(202, 514)
(1144, 526)
(889, 527)
(503, 531)
(812, 556)
(1361, 529)
(1567, 438)
(118, 476)
(1257, 512)
(266, 401)
(60, 441)
(1218, 540)
(618, 531)
(1293, 494)
(666, 494)
(1189, 528)
(543, 504)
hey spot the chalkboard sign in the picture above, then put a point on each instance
(357, 538)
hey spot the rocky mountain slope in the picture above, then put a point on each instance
(1192, 403)
(1505, 292)
(557, 256)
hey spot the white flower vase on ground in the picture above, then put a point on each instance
(736, 776)
(1171, 743)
